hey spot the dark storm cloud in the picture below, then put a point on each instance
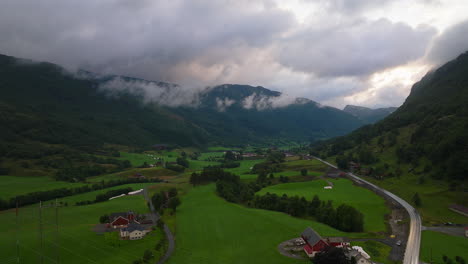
(355, 49)
(450, 44)
(146, 38)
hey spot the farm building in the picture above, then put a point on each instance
(133, 232)
(314, 243)
(120, 220)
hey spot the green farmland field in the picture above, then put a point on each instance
(11, 186)
(211, 230)
(77, 243)
(370, 204)
(438, 245)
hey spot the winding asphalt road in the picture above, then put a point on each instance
(414, 238)
(167, 231)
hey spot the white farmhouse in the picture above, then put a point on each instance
(133, 232)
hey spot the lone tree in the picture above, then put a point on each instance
(148, 255)
(417, 200)
(104, 219)
(304, 172)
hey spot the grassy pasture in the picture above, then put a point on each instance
(435, 197)
(370, 204)
(244, 167)
(211, 230)
(11, 186)
(77, 243)
(439, 244)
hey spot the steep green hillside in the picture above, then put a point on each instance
(369, 115)
(422, 147)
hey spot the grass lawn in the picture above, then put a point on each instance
(435, 197)
(439, 244)
(244, 167)
(378, 252)
(90, 196)
(211, 230)
(370, 204)
(11, 186)
(77, 243)
(312, 165)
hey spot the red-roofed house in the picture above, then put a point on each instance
(314, 242)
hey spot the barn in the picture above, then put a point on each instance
(314, 242)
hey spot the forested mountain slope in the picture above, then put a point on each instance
(429, 131)
(369, 115)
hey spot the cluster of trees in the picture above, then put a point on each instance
(105, 196)
(182, 161)
(344, 217)
(34, 197)
(458, 260)
(166, 199)
(209, 174)
(333, 255)
(175, 167)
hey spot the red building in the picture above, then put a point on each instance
(120, 220)
(314, 242)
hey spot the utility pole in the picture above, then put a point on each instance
(57, 233)
(41, 258)
(17, 234)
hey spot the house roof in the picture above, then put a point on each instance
(114, 216)
(132, 227)
(310, 236)
(116, 220)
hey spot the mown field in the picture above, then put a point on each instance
(435, 196)
(11, 186)
(76, 242)
(435, 245)
(370, 204)
(211, 230)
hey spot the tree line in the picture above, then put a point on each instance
(34, 197)
(105, 196)
(344, 217)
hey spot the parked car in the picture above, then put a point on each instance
(398, 243)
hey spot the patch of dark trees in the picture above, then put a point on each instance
(35, 197)
(344, 217)
(166, 199)
(105, 196)
(230, 187)
(333, 255)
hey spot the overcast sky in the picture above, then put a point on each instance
(336, 52)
